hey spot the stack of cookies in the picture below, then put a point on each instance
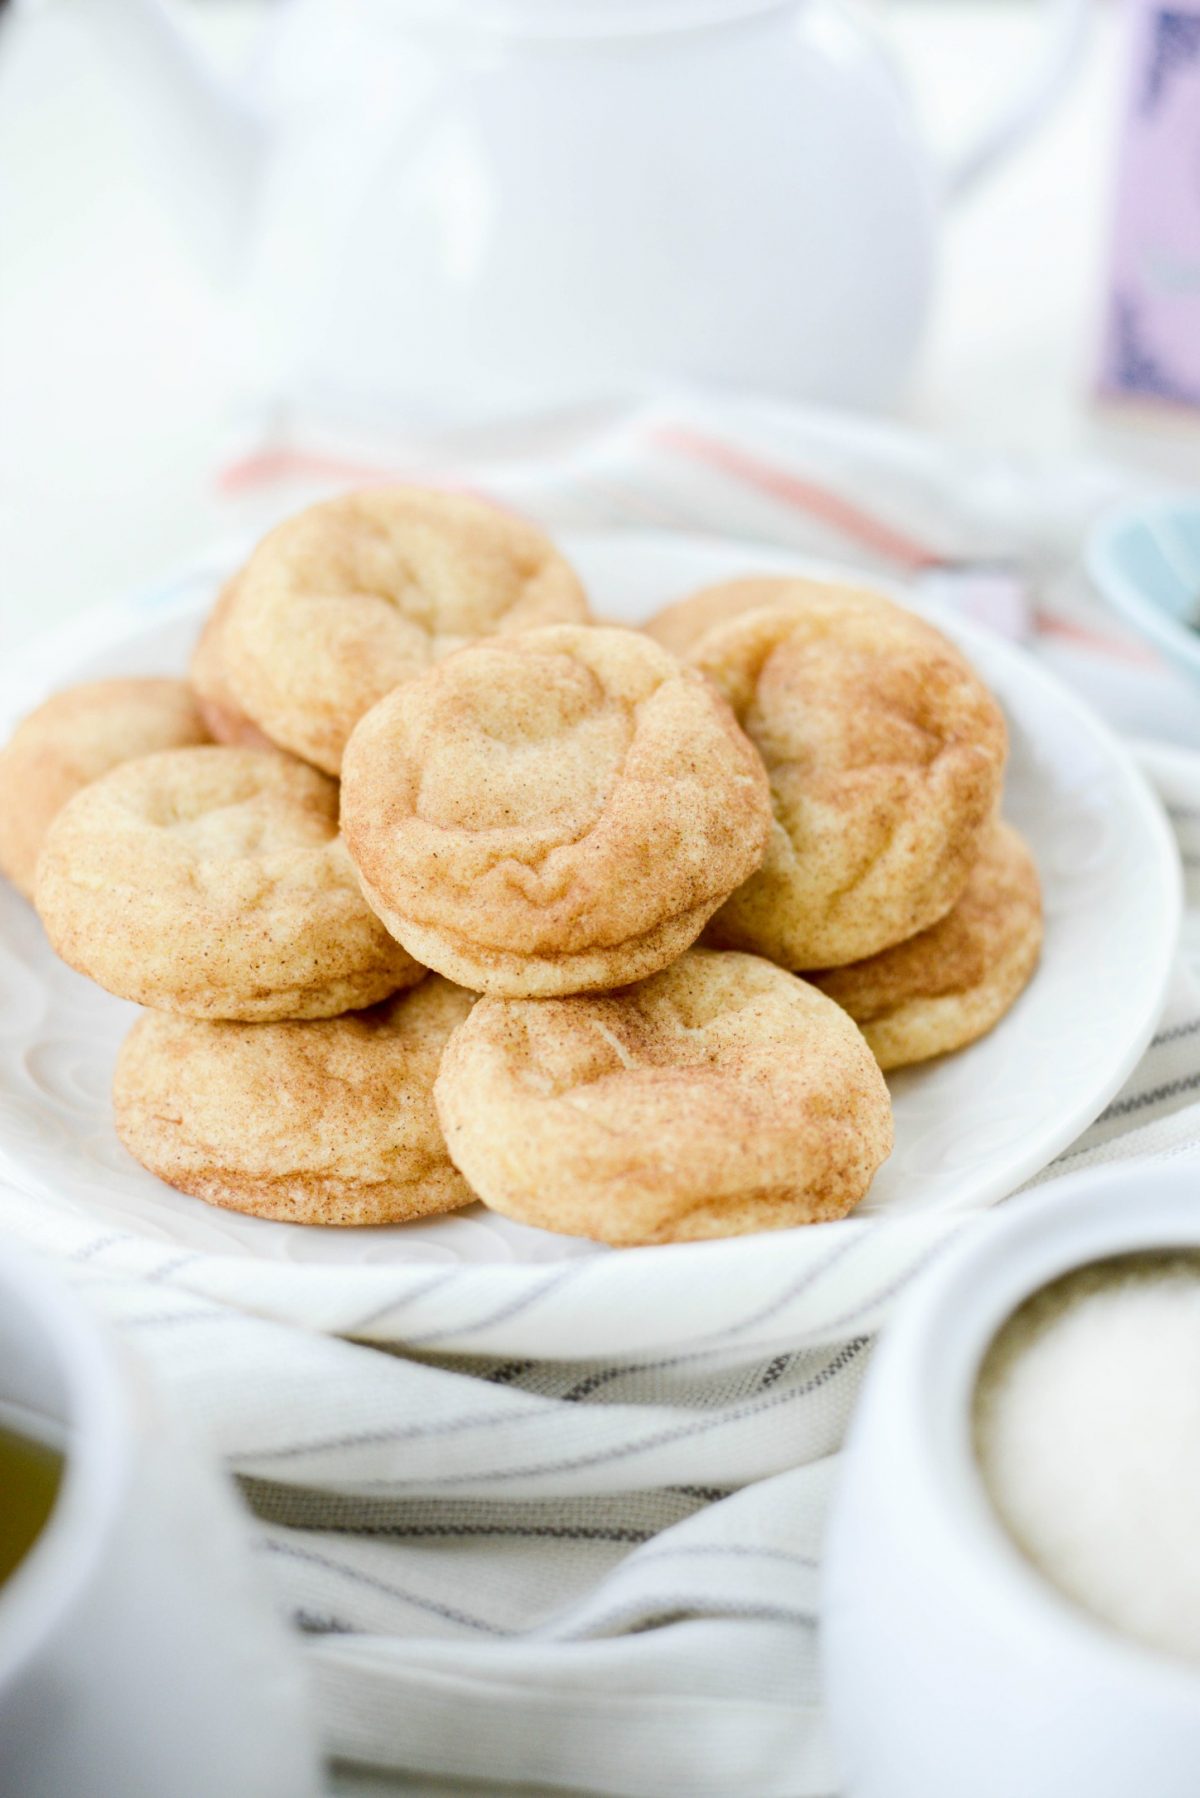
(412, 880)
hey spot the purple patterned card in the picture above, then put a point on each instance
(1152, 335)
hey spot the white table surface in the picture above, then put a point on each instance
(119, 356)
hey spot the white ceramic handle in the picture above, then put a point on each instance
(1065, 29)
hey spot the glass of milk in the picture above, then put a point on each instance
(1012, 1590)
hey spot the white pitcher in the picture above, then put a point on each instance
(459, 207)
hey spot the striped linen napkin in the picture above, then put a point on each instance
(559, 1527)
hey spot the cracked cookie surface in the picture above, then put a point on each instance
(722, 1095)
(358, 594)
(213, 882)
(886, 755)
(326, 1122)
(71, 740)
(552, 812)
(946, 987)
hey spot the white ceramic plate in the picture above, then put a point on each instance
(968, 1129)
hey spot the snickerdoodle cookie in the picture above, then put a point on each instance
(326, 1122)
(946, 987)
(226, 721)
(886, 758)
(722, 1095)
(680, 626)
(552, 812)
(213, 882)
(71, 740)
(353, 596)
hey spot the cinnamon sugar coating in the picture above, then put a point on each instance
(721, 1096)
(326, 1122)
(352, 597)
(552, 812)
(72, 739)
(213, 882)
(886, 756)
(949, 985)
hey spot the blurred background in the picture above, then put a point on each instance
(130, 376)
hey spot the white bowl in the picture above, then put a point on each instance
(952, 1668)
(139, 1657)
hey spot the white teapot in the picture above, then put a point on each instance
(460, 207)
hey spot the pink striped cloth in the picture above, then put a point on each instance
(995, 536)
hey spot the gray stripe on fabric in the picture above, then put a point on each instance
(864, 1306)
(647, 1513)
(451, 1613)
(593, 1381)
(532, 1532)
(1174, 1034)
(172, 1266)
(310, 1623)
(775, 1372)
(783, 1299)
(604, 1376)
(716, 1421)
(450, 1426)
(512, 1308)
(667, 1610)
(1093, 1148)
(97, 1246)
(394, 1303)
(1171, 1089)
(507, 1371)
